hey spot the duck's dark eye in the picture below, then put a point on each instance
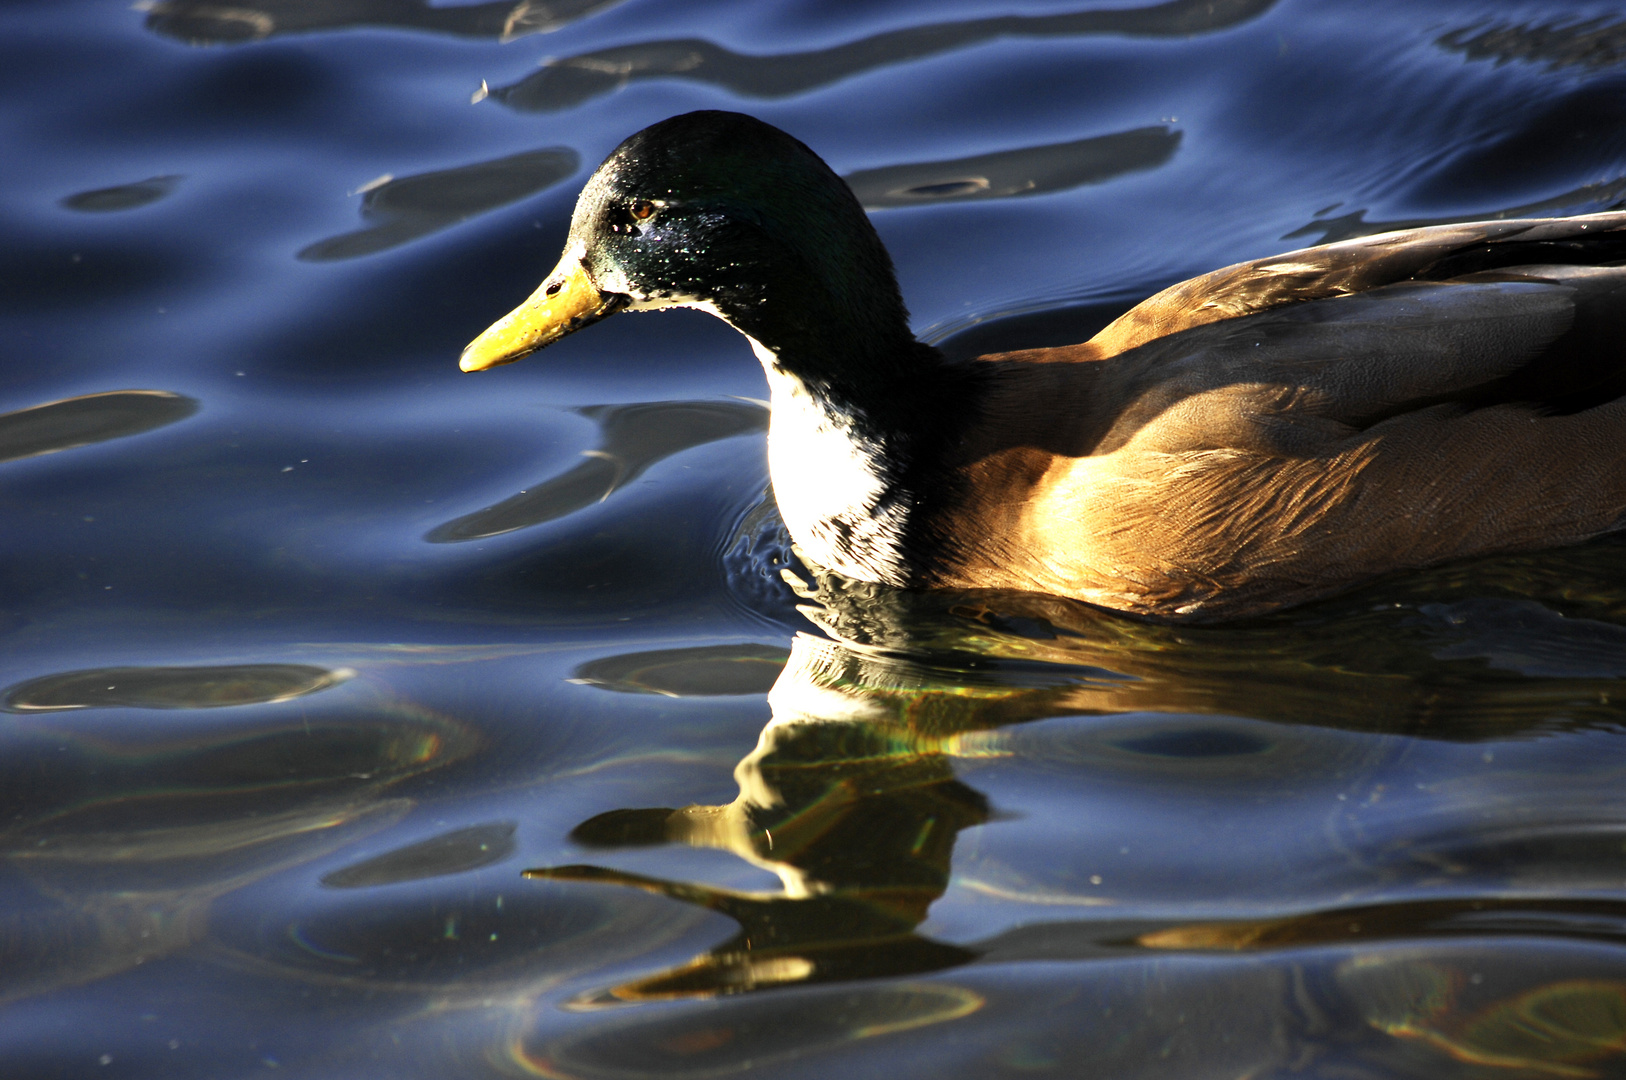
(641, 210)
(553, 289)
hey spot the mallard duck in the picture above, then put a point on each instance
(1259, 436)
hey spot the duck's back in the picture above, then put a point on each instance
(1282, 429)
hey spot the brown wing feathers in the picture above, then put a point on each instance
(1355, 266)
(1245, 446)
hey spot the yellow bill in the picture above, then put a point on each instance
(566, 300)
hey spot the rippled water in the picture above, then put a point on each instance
(364, 718)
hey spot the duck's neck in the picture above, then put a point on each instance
(853, 455)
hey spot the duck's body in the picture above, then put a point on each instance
(1256, 437)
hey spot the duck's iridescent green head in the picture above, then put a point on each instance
(723, 212)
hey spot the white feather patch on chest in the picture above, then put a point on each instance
(829, 483)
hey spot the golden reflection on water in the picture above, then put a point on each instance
(204, 687)
(1556, 1030)
(850, 799)
(751, 1035)
(1571, 1028)
(853, 799)
(856, 815)
(144, 832)
(113, 902)
(1370, 661)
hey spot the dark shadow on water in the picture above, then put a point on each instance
(632, 438)
(455, 852)
(206, 22)
(1526, 637)
(1589, 44)
(1596, 920)
(123, 196)
(1031, 170)
(566, 83)
(1588, 199)
(92, 418)
(170, 687)
(704, 671)
(414, 206)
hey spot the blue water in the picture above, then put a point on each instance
(312, 646)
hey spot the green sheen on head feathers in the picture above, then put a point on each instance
(755, 223)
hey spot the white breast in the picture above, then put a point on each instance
(829, 484)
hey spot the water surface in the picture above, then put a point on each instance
(365, 718)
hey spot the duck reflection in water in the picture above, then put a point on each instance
(850, 799)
